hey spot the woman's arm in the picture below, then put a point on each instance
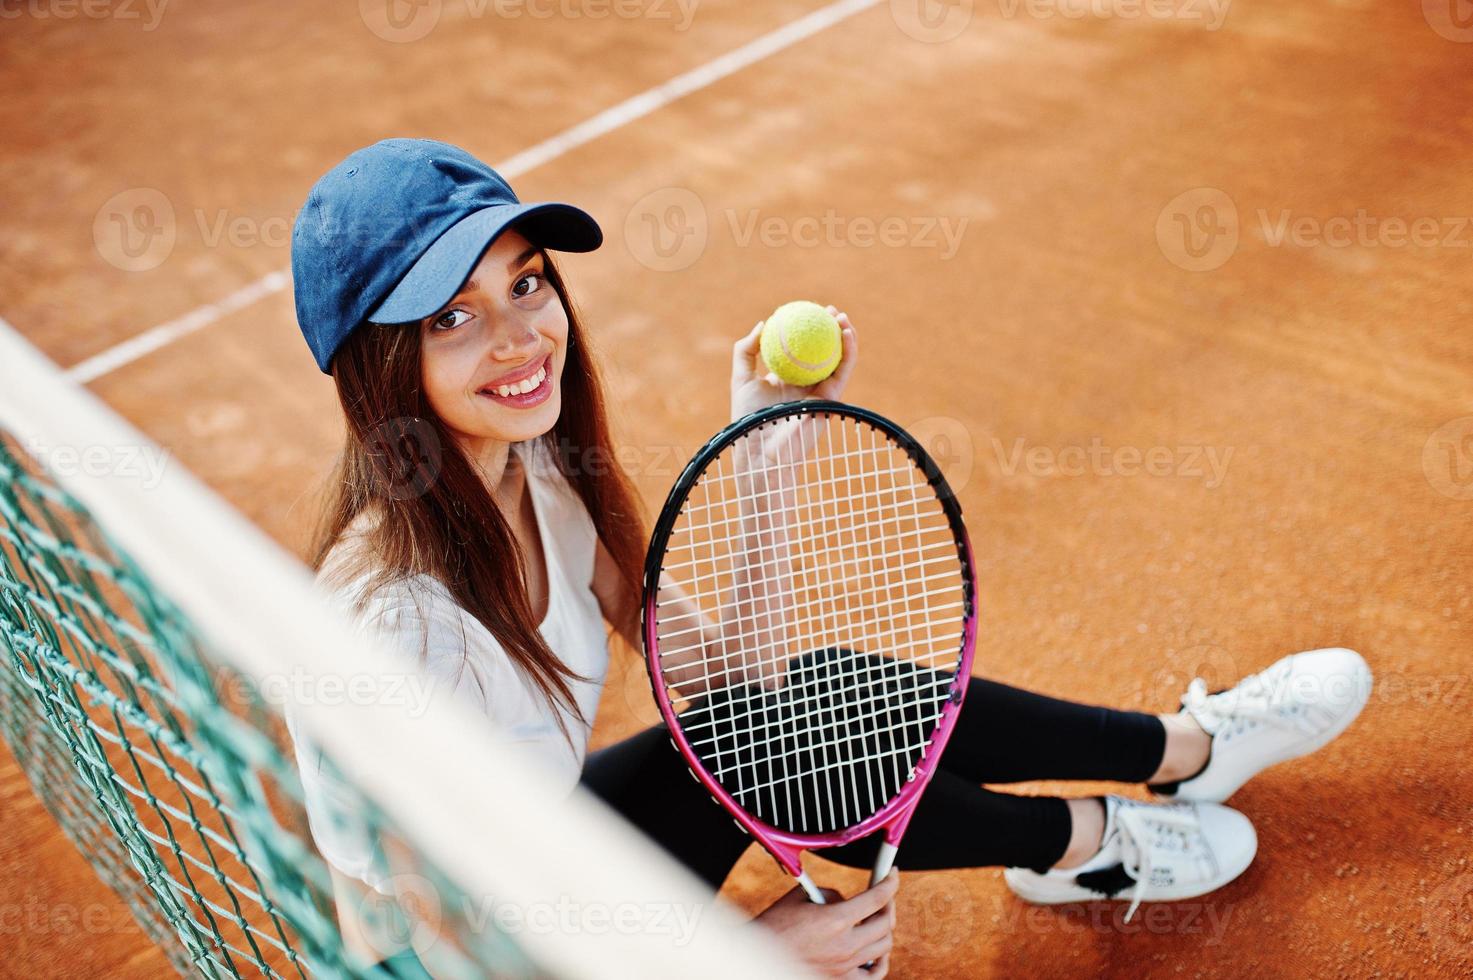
(622, 610)
(755, 611)
(761, 587)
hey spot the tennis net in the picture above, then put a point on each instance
(152, 641)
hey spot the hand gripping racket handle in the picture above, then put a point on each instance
(884, 861)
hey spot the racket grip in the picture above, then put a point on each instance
(814, 895)
(884, 861)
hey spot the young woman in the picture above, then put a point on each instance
(475, 520)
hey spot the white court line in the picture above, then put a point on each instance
(635, 107)
(164, 334)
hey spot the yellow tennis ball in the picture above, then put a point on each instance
(801, 343)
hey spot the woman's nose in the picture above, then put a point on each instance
(517, 344)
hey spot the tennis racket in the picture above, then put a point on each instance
(809, 620)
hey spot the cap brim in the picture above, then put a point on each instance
(433, 280)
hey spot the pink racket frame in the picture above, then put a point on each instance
(894, 816)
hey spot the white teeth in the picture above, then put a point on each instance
(523, 386)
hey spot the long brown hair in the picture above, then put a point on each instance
(438, 517)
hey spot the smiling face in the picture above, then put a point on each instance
(492, 358)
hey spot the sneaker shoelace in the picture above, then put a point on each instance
(1249, 704)
(1147, 832)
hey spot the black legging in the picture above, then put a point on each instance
(1003, 735)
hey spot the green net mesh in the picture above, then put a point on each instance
(175, 777)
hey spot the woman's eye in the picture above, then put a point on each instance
(532, 277)
(449, 319)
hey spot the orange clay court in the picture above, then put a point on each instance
(1180, 300)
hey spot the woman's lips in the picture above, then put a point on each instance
(516, 376)
(535, 397)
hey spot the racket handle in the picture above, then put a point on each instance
(884, 861)
(814, 895)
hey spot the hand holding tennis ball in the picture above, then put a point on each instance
(803, 350)
(801, 343)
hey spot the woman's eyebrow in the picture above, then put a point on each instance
(521, 259)
(471, 285)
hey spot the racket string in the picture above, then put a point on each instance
(852, 533)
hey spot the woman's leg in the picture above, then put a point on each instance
(647, 782)
(1005, 734)
(1008, 735)
(958, 824)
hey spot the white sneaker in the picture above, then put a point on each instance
(1291, 709)
(1151, 852)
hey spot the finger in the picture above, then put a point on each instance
(848, 355)
(871, 953)
(872, 899)
(745, 349)
(833, 385)
(877, 926)
(795, 895)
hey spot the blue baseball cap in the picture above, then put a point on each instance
(391, 233)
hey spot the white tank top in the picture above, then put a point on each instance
(458, 657)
